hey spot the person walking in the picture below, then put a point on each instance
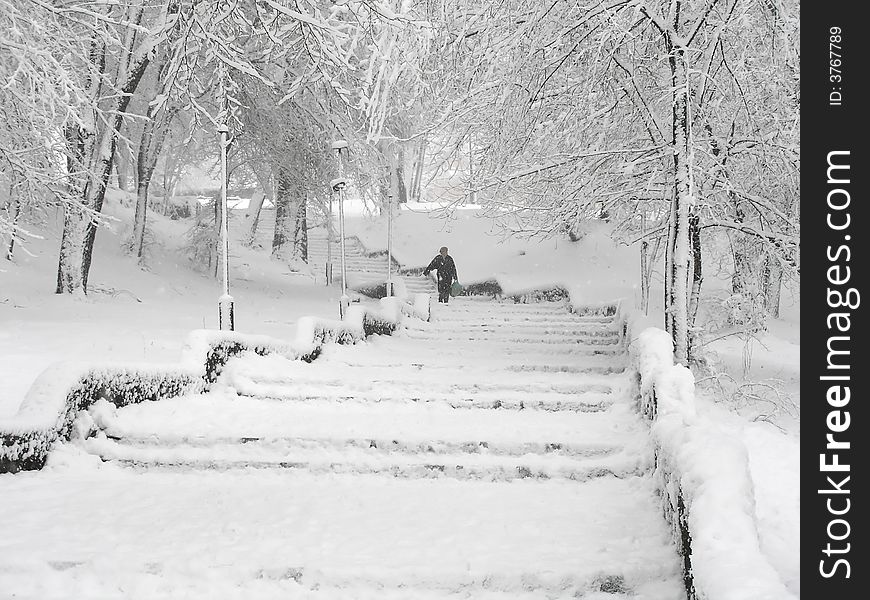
(443, 263)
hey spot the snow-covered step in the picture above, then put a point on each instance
(392, 387)
(534, 363)
(508, 336)
(550, 320)
(591, 401)
(259, 533)
(398, 440)
(567, 328)
(484, 304)
(223, 413)
(412, 375)
(289, 446)
(370, 457)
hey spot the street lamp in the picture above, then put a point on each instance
(338, 185)
(329, 244)
(390, 244)
(226, 317)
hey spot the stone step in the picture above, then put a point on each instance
(287, 533)
(393, 458)
(509, 338)
(490, 367)
(402, 387)
(442, 314)
(415, 379)
(222, 413)
(484, 304)
(521, 328)
(591, 401)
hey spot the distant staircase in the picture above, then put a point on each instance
(363, 269)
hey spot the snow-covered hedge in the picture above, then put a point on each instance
(64, 389)
(703, 475)
(207, 351)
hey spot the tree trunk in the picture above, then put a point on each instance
(644, 279)
(16, 215)
(300, 232)
(144, 170)
(402, 190)
(669, 261)
(697, 279)
(70, 261)
(417, 176)
(253, 215)
(153, 135)
(679, 273)
(77, 217)
(92, 151)
(91, 148)
(121, 170)
(284, 212)
(772, 284)
(743, 286)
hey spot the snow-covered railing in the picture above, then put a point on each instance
(64, 389)
(703, 475)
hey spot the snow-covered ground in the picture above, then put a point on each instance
(144, 315)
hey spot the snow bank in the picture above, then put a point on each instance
(63, 390)
(704, 478)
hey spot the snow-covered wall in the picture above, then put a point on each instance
(704, 478)
(64, 389)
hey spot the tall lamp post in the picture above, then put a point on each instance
(390, 244)
(391, 194)
(329, 244)
(225, 303)
(338, 185)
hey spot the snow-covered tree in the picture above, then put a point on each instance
(554, 113)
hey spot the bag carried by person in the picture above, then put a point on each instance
(456, 288)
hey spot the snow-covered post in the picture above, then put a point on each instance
(225, 303)
(329, 245)
(338, 185)
(390, 244)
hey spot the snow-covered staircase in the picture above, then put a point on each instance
(493, 452)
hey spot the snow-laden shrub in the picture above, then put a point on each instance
(552, 294)
(483, 288)
(385, 320)
(210, 350)
(315, 331)
(703, 476)
(604, 309)
(418, 306)
(372, 290)
(63, 391)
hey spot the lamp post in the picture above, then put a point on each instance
(390, 244)
(392, 193)
(338, 185)
(226, 318)
(329, 245)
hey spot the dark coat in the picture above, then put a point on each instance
(445, 267)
